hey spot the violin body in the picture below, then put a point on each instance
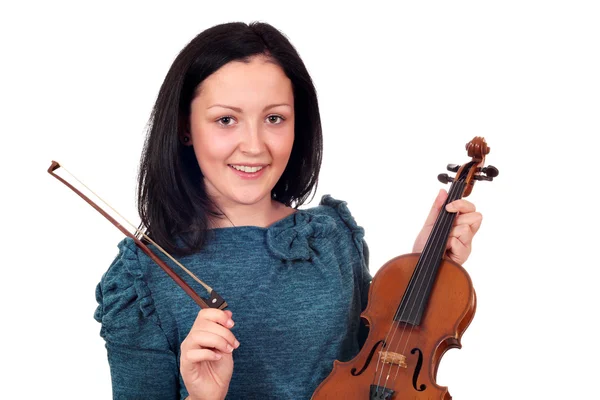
(449, 311)
(419, 306)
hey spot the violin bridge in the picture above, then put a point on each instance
(389, 357)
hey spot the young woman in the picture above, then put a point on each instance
(234, 148)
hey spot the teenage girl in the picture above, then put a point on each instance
(234, 148)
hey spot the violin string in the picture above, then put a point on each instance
(441, 220)
(438, 239)
(445, 225)
(394, 325)
(139, 232)
(441, 223)
(446, 221)
(406, 312)
(387, 339)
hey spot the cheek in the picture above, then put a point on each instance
(211, 149)
(282, 146)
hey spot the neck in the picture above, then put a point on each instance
(261, 213)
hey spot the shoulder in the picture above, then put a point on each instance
(316, 230)
(122, 294)
(339, 211)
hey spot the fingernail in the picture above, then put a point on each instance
(230, 323)
(218, 356)
(229, 348)
(450, 207)
(237, 344)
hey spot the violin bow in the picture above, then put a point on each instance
(214, 300)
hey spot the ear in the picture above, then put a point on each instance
(185, 137)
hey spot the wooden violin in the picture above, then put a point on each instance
(419, 306)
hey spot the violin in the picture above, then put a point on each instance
(419, 306)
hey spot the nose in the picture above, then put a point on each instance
(252, 141)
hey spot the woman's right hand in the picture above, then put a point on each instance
(206, 363)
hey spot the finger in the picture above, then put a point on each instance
(212, 327)
(461, 205)
(457, 251)
(462, 233)
(219, 316)
(203, 339)
(436, 207)
(473, 220)
(201, 355)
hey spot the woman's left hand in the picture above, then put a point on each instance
(466, 225)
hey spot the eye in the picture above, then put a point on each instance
(275, 119)
(226, 120)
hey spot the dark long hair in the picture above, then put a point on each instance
(172, 199)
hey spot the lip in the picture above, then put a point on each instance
(249, 175)
(249, 164)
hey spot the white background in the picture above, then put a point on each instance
(401, 91)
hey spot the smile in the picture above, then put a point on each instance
(246, 168)
(248, 172)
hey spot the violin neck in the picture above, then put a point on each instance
(417, 293)
(436, 243)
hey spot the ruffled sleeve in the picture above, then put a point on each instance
(141, 360)
(294, 238)
(358, 232)
(363, 274)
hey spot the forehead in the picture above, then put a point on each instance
(237, 80)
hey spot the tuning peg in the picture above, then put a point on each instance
(444, 178)
(453, 167)
(483, 178)
(490, 171)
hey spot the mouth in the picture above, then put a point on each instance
(248, 171)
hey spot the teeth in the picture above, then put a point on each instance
(244, 168)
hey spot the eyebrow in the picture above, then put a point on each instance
(237, 109)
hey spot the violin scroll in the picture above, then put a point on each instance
(474, 170)
(477, 148)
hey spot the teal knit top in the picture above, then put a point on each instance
(296, 290)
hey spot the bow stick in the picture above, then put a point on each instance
(214, 301)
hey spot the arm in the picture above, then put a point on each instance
(142, 362)
(365, 280)
(142, 373)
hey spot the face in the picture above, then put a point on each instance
(242, 130)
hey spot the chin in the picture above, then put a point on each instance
(250, 198)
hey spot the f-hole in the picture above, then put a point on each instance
(353, 370)
(418, 370)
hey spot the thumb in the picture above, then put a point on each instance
(436, 207)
